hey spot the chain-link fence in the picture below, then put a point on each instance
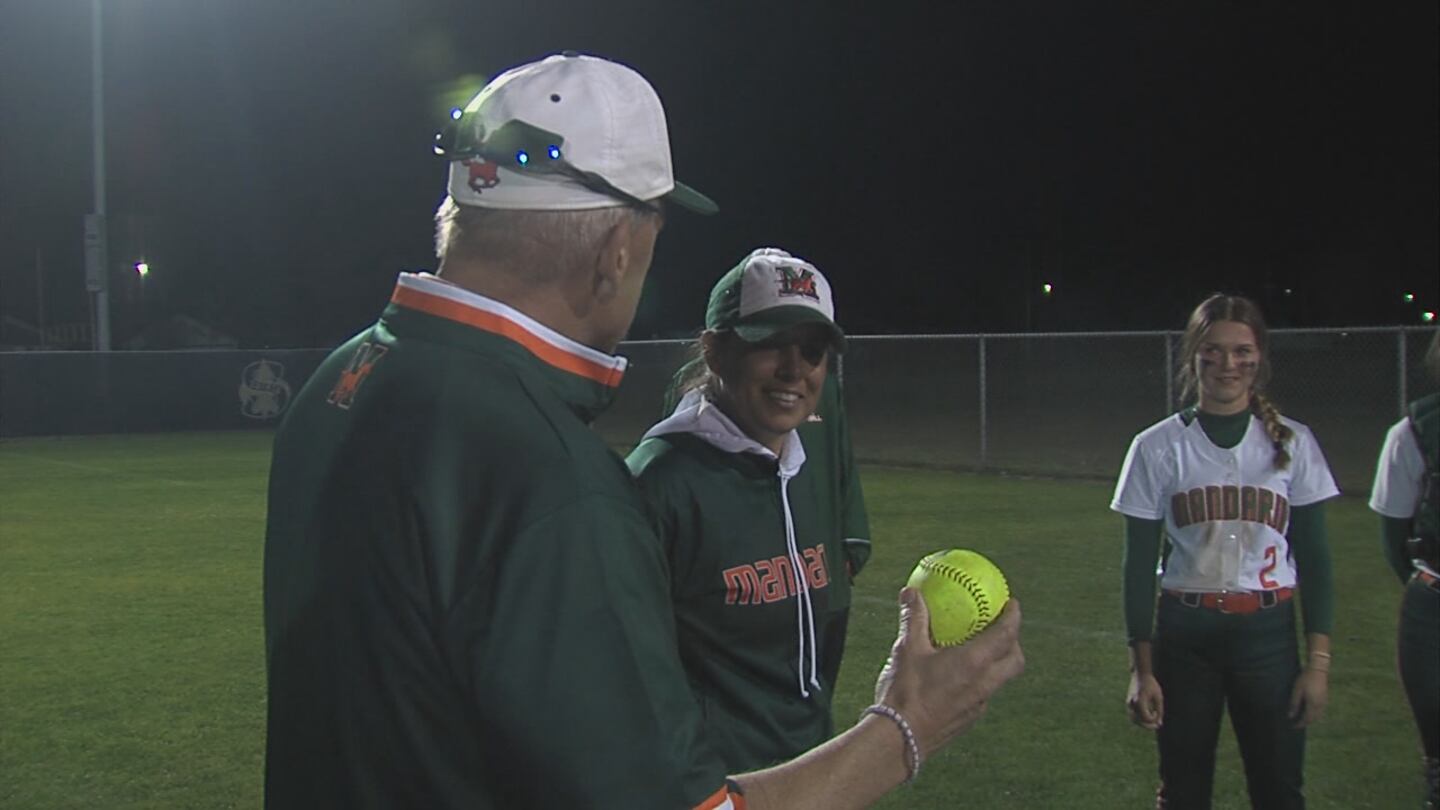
(1068, 404)
(1051, 404)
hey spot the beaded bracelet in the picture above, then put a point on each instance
(911, 746)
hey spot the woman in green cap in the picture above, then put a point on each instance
(753, 491)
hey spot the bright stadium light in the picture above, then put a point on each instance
(1408, 298)
(1428, 316)
(142, 269)
(1047, 288)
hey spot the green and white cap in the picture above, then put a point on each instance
(569, 132)
(768, 292)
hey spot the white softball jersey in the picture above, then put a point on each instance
(1399, 478)
(1226, 511)
(1398, 473)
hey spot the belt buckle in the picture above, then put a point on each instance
(1191, 599)
(1269, 599)
(1220, 598)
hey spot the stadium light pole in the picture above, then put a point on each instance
(97, 256)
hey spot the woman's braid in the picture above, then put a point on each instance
(1278, 432)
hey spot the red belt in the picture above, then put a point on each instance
(1233, 601)
(1431, 581)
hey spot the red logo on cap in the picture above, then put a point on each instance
(797, 282)
(483, 174)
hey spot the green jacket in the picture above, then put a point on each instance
(762, 648)
(827, 443)
(1424, 416)
(464, 604)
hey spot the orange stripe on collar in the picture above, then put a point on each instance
(450, 310)
(722, 798)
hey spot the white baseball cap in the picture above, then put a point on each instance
(569, 132)
(768, 292)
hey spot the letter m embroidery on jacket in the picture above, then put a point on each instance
(361, 364)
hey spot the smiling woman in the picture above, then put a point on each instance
(1236, 490)
(757, 512)
(772, 387)
(1228, 362)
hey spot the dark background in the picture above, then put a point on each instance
(938, 161)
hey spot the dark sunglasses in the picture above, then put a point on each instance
(522, 147)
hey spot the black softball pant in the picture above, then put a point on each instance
(1419, 658)
(1206, 662)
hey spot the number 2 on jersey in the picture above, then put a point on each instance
(1265, 580)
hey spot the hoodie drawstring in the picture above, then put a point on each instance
(697, 416)
(804, 610)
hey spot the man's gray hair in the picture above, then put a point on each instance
(539, 246)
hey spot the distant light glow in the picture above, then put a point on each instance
(1428, 316)
(522, 157)
(554, 152)
(1408, 298)
(1047, 288)
(1288, 291)
(142, 268)
(456, 113)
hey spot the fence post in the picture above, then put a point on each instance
(1401, 360)
(984, 423)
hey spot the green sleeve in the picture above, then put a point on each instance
(1393, 534)
(856, 525)
(659, 506)
(1312, 567)
(1142, 554)
(582, 609)
(855, 521)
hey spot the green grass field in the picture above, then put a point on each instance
(132, 663)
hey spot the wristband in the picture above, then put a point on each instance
(911, 746)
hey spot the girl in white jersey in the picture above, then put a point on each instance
(1406, 495)
(1235, 491)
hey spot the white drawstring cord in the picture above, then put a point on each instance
(803, 607)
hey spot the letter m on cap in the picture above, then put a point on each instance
(361, 364)
(795, 281)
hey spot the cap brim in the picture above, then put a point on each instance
(764, 325)
(690, 199)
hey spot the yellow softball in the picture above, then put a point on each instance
(963, 591)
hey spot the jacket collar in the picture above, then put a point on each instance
(586, 378)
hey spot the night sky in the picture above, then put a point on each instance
(939, 162)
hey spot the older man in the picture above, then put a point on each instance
(464, 606)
